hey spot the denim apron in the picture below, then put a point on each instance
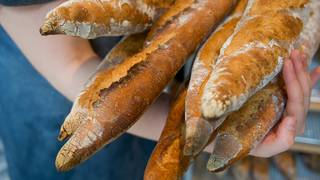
(31, 113)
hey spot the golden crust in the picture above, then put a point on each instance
(260, 168)
(286, 163)
(242, 130)
(252, 56)
(91, 19)
(196, 133)
(167, 160)
(83, 105)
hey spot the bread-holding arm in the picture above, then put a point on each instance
(66, 62)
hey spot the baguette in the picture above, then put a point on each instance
(241, 170)
(312, 161)
(260, 168)
(167, 160)
(254, 53)
(286, 163)
(127, 90)
(127, 47)
(94, 18)
(244, 129)
(198, 129)
(239, 141)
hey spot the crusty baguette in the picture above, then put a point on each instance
(94, 18)
(167, 160)
(238, 141)
(312, 161)
(127, 47)
(286, 163)
(260, 168)
(242, 130)
(241, 170)
(112, 106)
(198, 129)
(254, 54)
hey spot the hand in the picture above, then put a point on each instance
(299, 83)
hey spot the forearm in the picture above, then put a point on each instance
(66, 62)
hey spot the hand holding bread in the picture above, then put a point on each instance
(236, 92)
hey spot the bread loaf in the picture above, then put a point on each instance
(128, 89)
(244, 129)
(86, 102)
(233, 140)
(242, 169)
(167, 160)
(254, 53)
(198, 129)
(260, 168)
(286, 163)
(94, 18)
(127, 47)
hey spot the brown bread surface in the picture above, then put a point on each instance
(114, 105)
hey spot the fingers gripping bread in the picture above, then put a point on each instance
(167, 160)
(129, 88)
(93, 18)
(198, 129)
(244, 129)
(233, 135)
(254, 54)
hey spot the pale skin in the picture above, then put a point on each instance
(67, 63)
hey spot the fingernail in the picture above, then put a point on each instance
(291, 124)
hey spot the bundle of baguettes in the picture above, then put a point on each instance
(246, 64)
(116, 96)
(234, 77)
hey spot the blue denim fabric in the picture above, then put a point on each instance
(31, 113)
(22, 2)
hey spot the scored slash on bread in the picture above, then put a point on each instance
(253, 55)
(128, 89)
(94, 18)
(199, 129)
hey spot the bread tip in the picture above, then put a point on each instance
(63, 135)
(226, 149)
(65, 161)
(198, 132)
(60, 163)
(49, 28)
